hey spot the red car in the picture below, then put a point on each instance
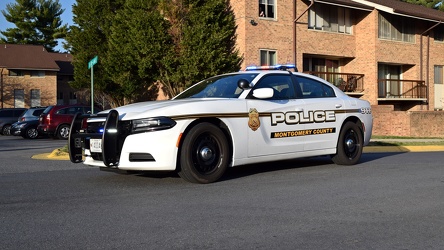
(56, 120)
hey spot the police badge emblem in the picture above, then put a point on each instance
(253, 121)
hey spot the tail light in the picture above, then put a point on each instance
(22, 119)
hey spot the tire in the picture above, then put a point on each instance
(6, 130)
(31, 133)
(63, 132)
(204, 154)
(350, 144)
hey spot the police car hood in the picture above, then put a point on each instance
(177, 107)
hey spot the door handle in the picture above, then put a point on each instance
(298, 109)
(338, 106)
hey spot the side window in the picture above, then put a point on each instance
(62, 111)
(314, 89)
(281, 84)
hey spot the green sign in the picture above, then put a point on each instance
(93, 62)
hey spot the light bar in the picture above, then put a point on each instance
(273, 67)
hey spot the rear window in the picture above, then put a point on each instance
(46, 111)
(37, 112)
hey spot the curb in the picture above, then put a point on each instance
(54, 155)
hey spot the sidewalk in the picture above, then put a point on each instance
(422, 148)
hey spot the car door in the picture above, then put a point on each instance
(323, 113)
(274, 127)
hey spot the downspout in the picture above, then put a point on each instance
(1, 86)
(294, 27)
(421, 70)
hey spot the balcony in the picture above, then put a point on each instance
(351, 84)
(401, 90)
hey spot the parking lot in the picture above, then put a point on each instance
(388, 201)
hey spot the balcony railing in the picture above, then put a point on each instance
(347, 82)
(407, 89)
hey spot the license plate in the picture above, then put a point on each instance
(95, 145)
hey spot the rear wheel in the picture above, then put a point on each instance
(350, 144)
(204, 155)
(63, 132)
(31, 133)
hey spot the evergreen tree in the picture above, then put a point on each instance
(138, 42)
(88, 38)
(204, 33)
(37, 22)
(141, 42)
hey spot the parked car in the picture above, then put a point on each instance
(8, 116)
(26, 129)
(56, 120)
(32, 113)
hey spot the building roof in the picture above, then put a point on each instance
(24, 56)
(402, 8)
(396, 7)
(63, 60)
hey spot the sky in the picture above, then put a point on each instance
(66, 16)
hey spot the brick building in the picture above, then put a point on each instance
(31, 76)
(388, 52)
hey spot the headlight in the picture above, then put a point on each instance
(150, 124)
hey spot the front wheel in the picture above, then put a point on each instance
(350, 144)
(204, 154)
(63, 132)
(6, 130)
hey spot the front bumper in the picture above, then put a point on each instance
(121, 150)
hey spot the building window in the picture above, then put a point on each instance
(389, 84)
(15, 72)
(320, 65)
(395, 28)
(267, 8)
(35, 97)
(330, 18)
(19, 98)
(37, 73)
(268, 57)
(439, 75)
(72, 98)
(439, 34)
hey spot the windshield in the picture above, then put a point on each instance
(222, 86)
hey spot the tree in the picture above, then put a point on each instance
(138, 42)
(143, 42)
(204, 33)
(88, 38)
(37, 22)
(434, 4)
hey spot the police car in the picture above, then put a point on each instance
(227, 120)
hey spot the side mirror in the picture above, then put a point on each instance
(263, 93)
(243, 84)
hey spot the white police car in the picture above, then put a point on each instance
(228, 120)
